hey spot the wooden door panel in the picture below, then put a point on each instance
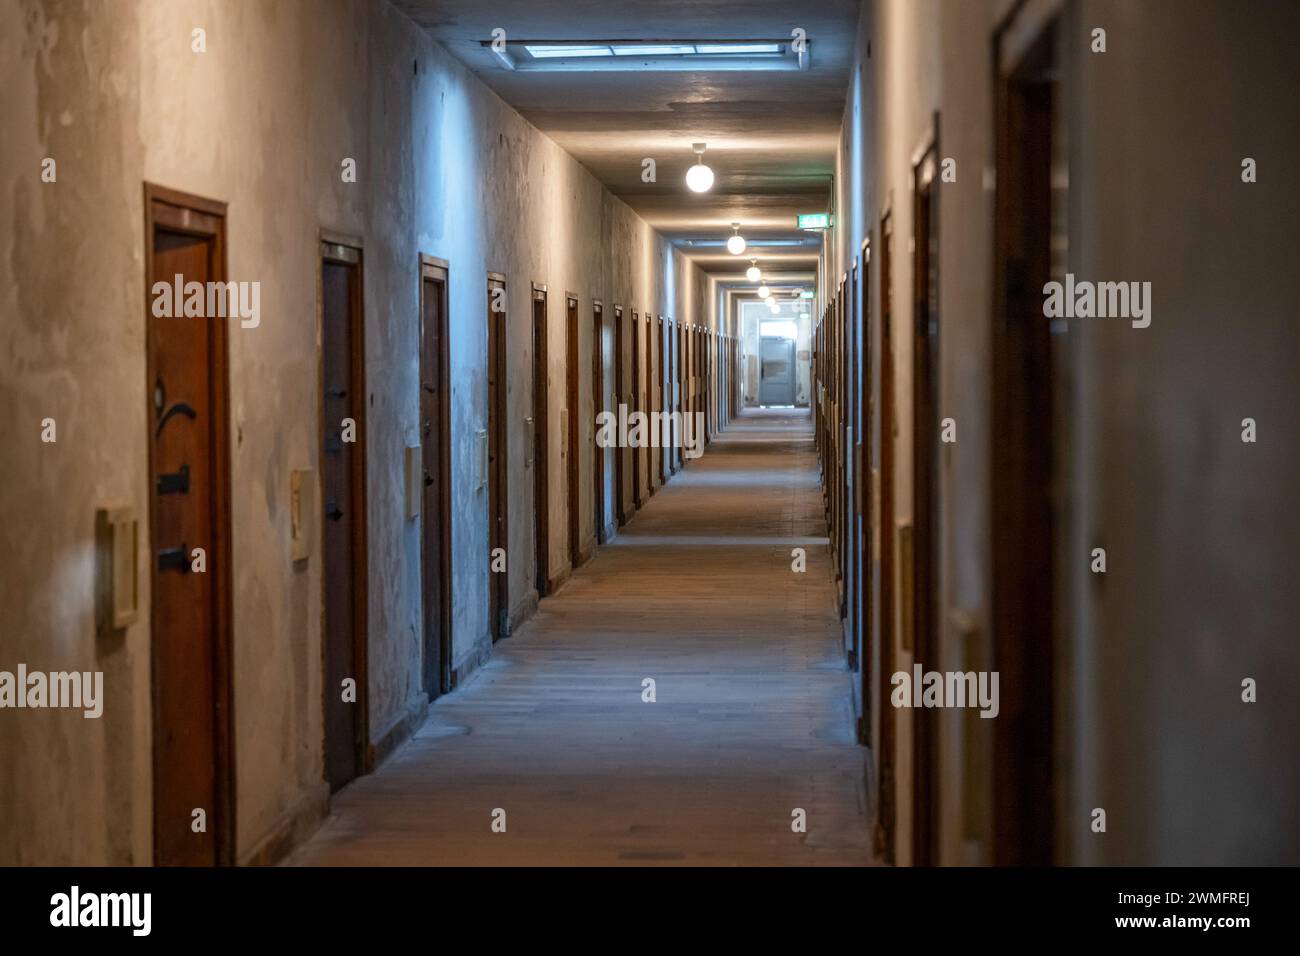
(189, 509)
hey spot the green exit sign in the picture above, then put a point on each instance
(815, 220)
(805, 294)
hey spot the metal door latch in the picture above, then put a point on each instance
(174, 559)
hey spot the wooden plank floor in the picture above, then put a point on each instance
(752, 718)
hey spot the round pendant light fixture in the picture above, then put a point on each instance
(699, 178)
(764, 292)
(753, 273)
(735, 242)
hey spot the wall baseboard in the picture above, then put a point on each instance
(298, 823)
(471, 662)
(380, 750)
(559, 580)
(523, 611)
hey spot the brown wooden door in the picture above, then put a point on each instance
(189, 468)
(925, 500)
(854, 535)
(620, 401)
(435, 453)
(638, 451)
(498, 460)
(597, 406)
(866, 409)
(541, 439)
(652, 478)
(675, 343)
(683, 387)
(573, 378)
(886, 813)
(1026, 403)
(343, 523)
(662, 404)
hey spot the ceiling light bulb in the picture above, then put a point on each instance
(764, 292)
(736, 243)
(753, 273)
(699, 178)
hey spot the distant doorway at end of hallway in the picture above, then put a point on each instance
(776, 371)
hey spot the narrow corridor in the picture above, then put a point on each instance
(340, 343)
(752, 717)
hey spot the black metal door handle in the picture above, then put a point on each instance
(333, 511)
(180, 408)
(174, 559)
(175, 483)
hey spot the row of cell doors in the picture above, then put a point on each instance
(189, 503)
(189, 454)
(887, 568)
(677, 363)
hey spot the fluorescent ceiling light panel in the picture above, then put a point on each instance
(594, 55)
(548, 52)
(646, 49)
(712, 49)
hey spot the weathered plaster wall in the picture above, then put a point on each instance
(262, 121)
(1199, 527)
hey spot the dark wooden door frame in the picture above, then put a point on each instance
(436, 271)
(665, 361)
(853, 462)
(597, 406)
(541, 441)
(675, 344)
(866, 491)
(1026, 625)
(638, 452)
(345, 250)
(498, 455)
(651, 371)
(886, 810)
(926, 604)
(175, 211)
(620, 409)
(573, 451)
